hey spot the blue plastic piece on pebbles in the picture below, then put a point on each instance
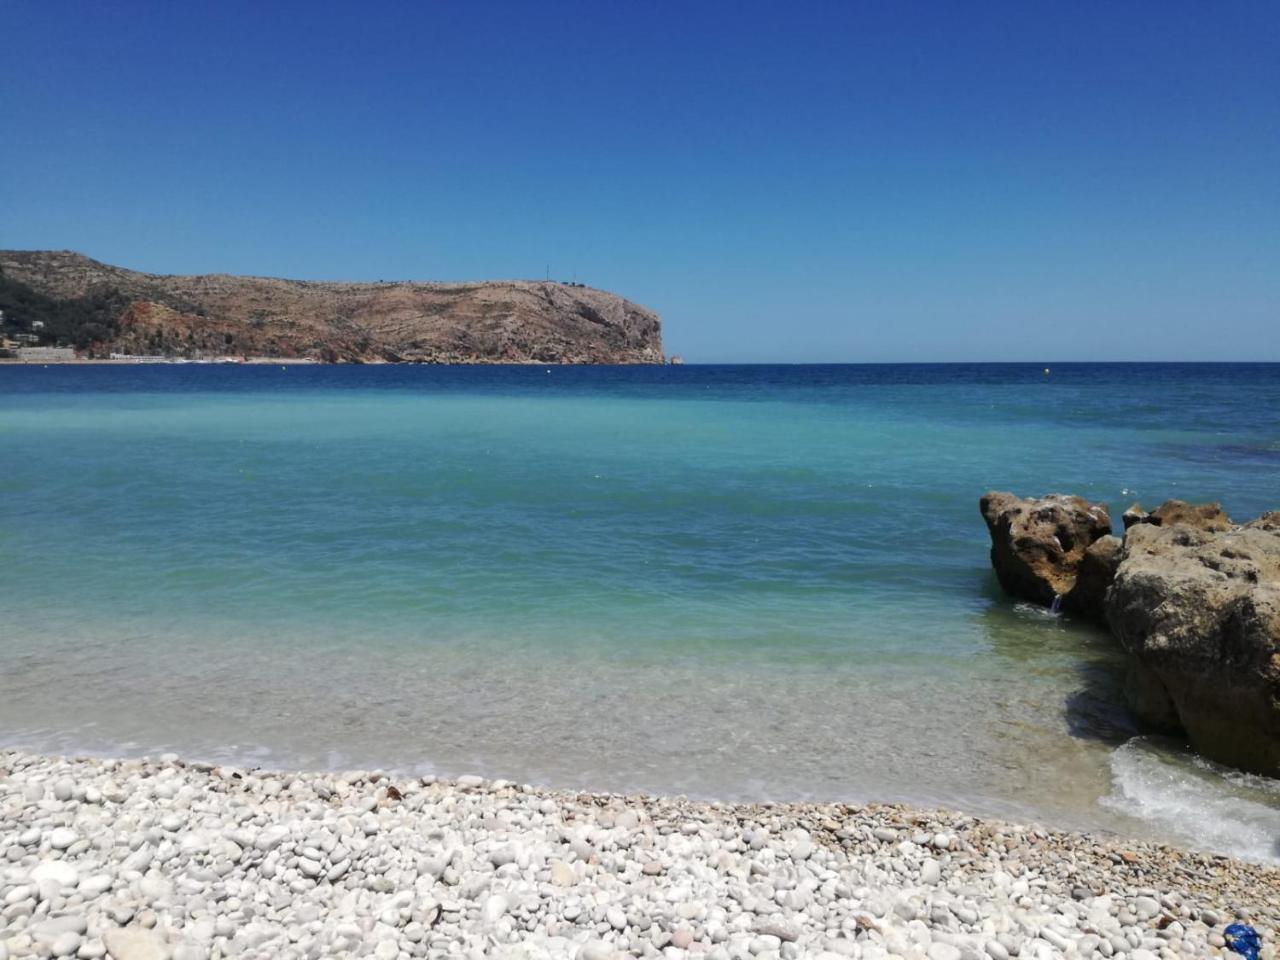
(1243, 939)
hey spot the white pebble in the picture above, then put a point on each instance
(62, 837)
(55, 871)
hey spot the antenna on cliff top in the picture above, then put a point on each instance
(548, 273)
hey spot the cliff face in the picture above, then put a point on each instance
(213, 315)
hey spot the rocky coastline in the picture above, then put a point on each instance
(1192, 597)
(104, 310)
(149, 859)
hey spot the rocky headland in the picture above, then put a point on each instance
(102, 309)
(164, 860)
(1191, 596)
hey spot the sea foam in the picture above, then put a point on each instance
(1207, 806)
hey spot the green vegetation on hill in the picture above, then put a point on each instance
(78, 322)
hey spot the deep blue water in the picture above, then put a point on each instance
(728, 581)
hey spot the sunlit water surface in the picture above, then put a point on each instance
(754, 582)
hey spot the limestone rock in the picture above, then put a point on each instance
(1135, 514)
(1202, 516)
(1037, 544)
(1094, 575)
(1268, 521)
(1199, 610)
(1149, 699)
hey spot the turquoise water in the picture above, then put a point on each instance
(732, 582)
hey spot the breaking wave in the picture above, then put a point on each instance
(1207, 806)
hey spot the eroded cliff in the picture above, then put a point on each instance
(102, 308)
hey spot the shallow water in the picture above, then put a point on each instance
(739, 582)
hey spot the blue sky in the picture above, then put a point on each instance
(782, 182)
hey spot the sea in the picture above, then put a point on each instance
(727, 582)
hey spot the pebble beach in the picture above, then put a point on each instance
(150, 859)
(571, 481)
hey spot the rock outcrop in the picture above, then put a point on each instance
(1202, 516)
(105, 309)
(1135, 514)
(1198, 609)
(1038, 544)
(1192, 598)
(1268, 521)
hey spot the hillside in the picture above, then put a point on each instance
(102, 309)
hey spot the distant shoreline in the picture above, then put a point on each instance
(95, 362)
(308, 361)
(301, 361)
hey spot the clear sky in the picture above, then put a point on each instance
(781, 181)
